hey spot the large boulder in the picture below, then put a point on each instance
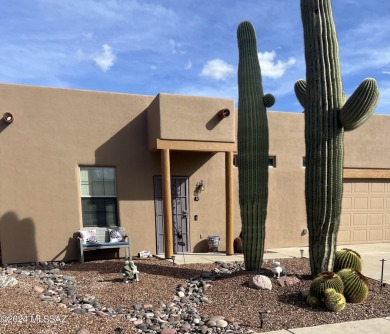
(260, 282)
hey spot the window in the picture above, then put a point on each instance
(304, 162)
(271, 161)
(98, 196)
(235, 160)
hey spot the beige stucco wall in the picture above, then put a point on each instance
(178, 117)
(54, 132)
(57, 130)
(369, 145)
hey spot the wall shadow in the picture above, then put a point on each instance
(17, 239)
(69, 251)
(3, 125)
(201, 247)
(136, 164)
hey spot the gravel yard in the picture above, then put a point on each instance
(22, 311)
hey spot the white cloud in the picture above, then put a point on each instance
(88, 35)
(105, 60)
(272, 69)
(217, 69)
(188, 65)
(176, 47)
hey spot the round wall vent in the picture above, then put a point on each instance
(8, 117)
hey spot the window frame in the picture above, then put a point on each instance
(112, 195)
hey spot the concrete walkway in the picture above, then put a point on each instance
(371, 254)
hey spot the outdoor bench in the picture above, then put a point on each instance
(103, 241)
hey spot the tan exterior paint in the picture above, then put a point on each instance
(55, 131)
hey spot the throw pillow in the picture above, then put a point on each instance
(88, 236)
(117, 235)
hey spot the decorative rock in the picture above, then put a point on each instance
(83, 331)
(211, 323)
(6, 281)
(221, 323)
(168, 331)
(260, 282)
(230, 319)
(288, 280)
(138, 322)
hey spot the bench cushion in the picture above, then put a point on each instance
(116, 235)
(88, 236)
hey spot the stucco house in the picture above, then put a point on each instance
(74, 158)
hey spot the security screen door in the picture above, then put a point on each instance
(179, 191)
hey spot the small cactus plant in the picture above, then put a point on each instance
(324, 281)
(334, 301)
(252, 143)
(355, 285)
(313, 301)
(347, 258)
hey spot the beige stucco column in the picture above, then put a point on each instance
(167, 202)
(229, 203)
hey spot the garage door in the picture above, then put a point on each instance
(365, 214)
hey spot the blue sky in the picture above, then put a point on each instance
(182, 46)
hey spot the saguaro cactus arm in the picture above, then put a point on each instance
(269, 100)
(360, 105)
(300, 92)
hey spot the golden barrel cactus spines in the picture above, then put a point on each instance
(325, 281)
(347, 258)
(334, 301)
(355, 285)
(313, 301)
(327, 115)
(252, 139)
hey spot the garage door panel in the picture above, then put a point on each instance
(376, 219)
(361, 188)
(378, 188)
(347, 203)
(375, 235)
(359, 236)
(387, 234)
(346, 219)
(360, 203)
(387, 219)
(365, 211)
(360, 219)
(347, 188)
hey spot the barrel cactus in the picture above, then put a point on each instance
(347, 258)
(313, 301)
(334, 301)
(355, 285)
(327, 115)
(325, 281)
(252, 138)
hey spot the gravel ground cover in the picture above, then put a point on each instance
(22, 311)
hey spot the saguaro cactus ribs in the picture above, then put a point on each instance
(327, 115)
(252, 147)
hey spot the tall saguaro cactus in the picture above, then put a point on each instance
(327, 115)
(252, 147)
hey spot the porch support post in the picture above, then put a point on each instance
(229, 203)
(167, 202)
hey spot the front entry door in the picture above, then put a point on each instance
(180, 219)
